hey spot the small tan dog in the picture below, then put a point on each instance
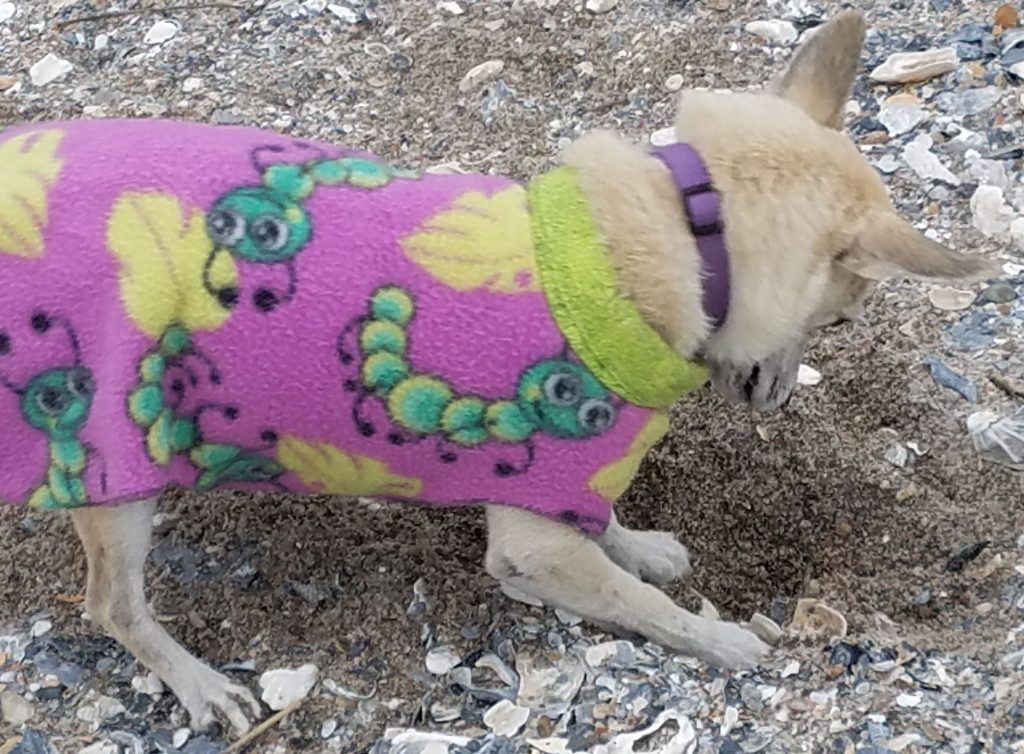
(809, 232)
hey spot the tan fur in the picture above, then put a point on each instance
(809, 230)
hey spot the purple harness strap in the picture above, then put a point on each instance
(703, 206)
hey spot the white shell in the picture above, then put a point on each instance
(999, 439)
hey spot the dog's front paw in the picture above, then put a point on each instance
(215, 693)
(656, 557)
(727, 645)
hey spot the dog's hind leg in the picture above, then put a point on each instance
(654, 556)
(117, 541)
(564, 568)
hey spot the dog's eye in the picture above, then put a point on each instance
(52, 401)
(563, 389)
(225, 226)
(269, 232)
(596, 415)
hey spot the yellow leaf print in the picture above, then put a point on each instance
(162, 248)
(30, 167)
(482, 242)
(328, 469)
(613, 479)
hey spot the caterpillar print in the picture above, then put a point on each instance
(556, 396)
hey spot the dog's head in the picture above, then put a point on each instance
(808, 223)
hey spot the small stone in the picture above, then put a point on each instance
(910, 67)
(918, 155)
(900, 117)
(674, 82)
(449, 6)
(6, 12)
(48, 69)
(347, 15)
(766, 629)
(814, 619)
(180, 737)
(101, 747)
(1006, 16)
(970, 101)
(998, 293)
(792, 668)
(191, 84)
(100, 709)
(908, 700)
(990, 213)
(984, 608)
(780, 32)
(897, 455)
(808, 375)
(328, 728)
(601, 6)
(480, 75)
(440, 660)
(614, 653)
(285, 686)
(149, 684)
(506, 718)
(887, 164)
(950, 299)
(6, 82)
(160, 32)
(663, 137)
(40, 628)
(15, 710)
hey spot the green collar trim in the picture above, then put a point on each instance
(601, 325)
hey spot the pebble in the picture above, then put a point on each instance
(480, 75)
(663, 137)
(955, 381)
(101, 747)
(180, 737)
(970, 101)
(6, 12)
(813, 618)
(780, 32)
(808, 375)
(440, 660)
(506, 718)
(900, 117)
(998, 293)
(343, 12)
(160, 32)
(918, 155)
(887, 164)
(328, 728)
(601, 6)
(950, 299)
(6, 82)
(897, 455)
(14, 709)
(998, 439)
(912, 67)
(674, 82)
(990, 213)
(99, 709)
(612, 653)
(48, 69)
(149, 684)
(449, 6)
(285, 686)
(908, 700)
(766, 629)
(40, 628)
(1006, 16)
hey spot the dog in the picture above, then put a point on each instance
(207, 306)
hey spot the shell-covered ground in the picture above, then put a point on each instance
(866, 493)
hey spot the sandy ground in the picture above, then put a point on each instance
(773, 507)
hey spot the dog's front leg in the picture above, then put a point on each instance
(117, 540)
(564, 568)
(654, 556)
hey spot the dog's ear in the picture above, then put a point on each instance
(820, 76)
(887, 246)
